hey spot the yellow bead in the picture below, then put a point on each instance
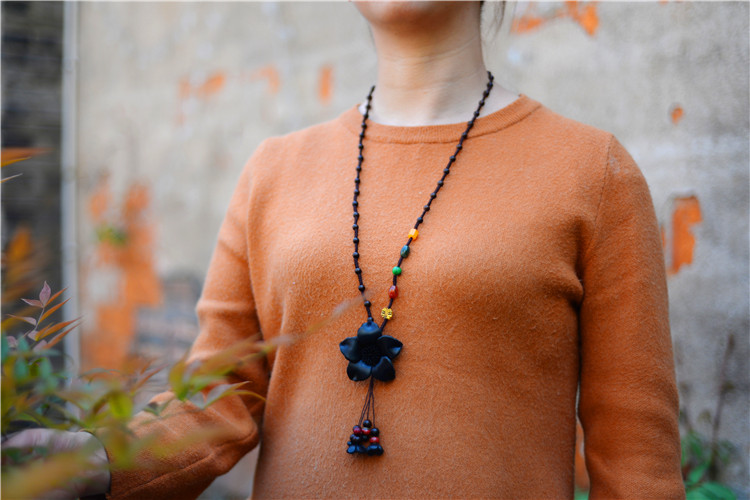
(386, 313)
(413, 234)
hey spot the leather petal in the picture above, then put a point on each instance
(350, 349)
(359, 371)
(389, 346)
(384, 370)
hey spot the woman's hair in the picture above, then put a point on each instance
(493, 20)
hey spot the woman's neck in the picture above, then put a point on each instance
(431, 73)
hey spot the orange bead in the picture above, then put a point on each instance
(413, 234)
(393, 292)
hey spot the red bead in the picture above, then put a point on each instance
(393, 292)
(357, 430)
(374, 440)
(365, 431)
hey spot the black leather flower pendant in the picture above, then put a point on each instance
(370, 353)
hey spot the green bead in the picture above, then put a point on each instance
(405, 251)
(396, 270)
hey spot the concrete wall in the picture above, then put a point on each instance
(174, 97)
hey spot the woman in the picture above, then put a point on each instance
(534, 287)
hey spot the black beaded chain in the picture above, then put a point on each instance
(393, 292)
(370, 353)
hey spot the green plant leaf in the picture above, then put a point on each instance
(221, 391)
(717, 491)
(697, 473)
(176, 382)
(155, 408)
(14, 455)
(694, 445)
(197, 383)
(695, 494)
(45, 369)
(120, 404)
(20, 369)
(23, 345)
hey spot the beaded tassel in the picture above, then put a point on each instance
(365, 438)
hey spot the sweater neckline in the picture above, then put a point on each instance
(500, 119)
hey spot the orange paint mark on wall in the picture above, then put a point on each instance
(142, 285)
(136, 201)
(187, 89)
(686, 213)
(325, 84)
(212, 85)
(585, 15)
(676, 113)
(99, 201)
(527, 22)
(109, 349)
(588, 19)
(269, 73)
(124, 251)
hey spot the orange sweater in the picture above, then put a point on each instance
(537, 272)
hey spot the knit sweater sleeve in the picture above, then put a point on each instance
(628, 402)
(227, 316)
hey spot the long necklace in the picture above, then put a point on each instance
(370, 353)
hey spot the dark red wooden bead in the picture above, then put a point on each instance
(357, 430)
(365, 431)
(374, 440)
(393, 292)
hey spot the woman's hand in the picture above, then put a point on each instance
(37, 443)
